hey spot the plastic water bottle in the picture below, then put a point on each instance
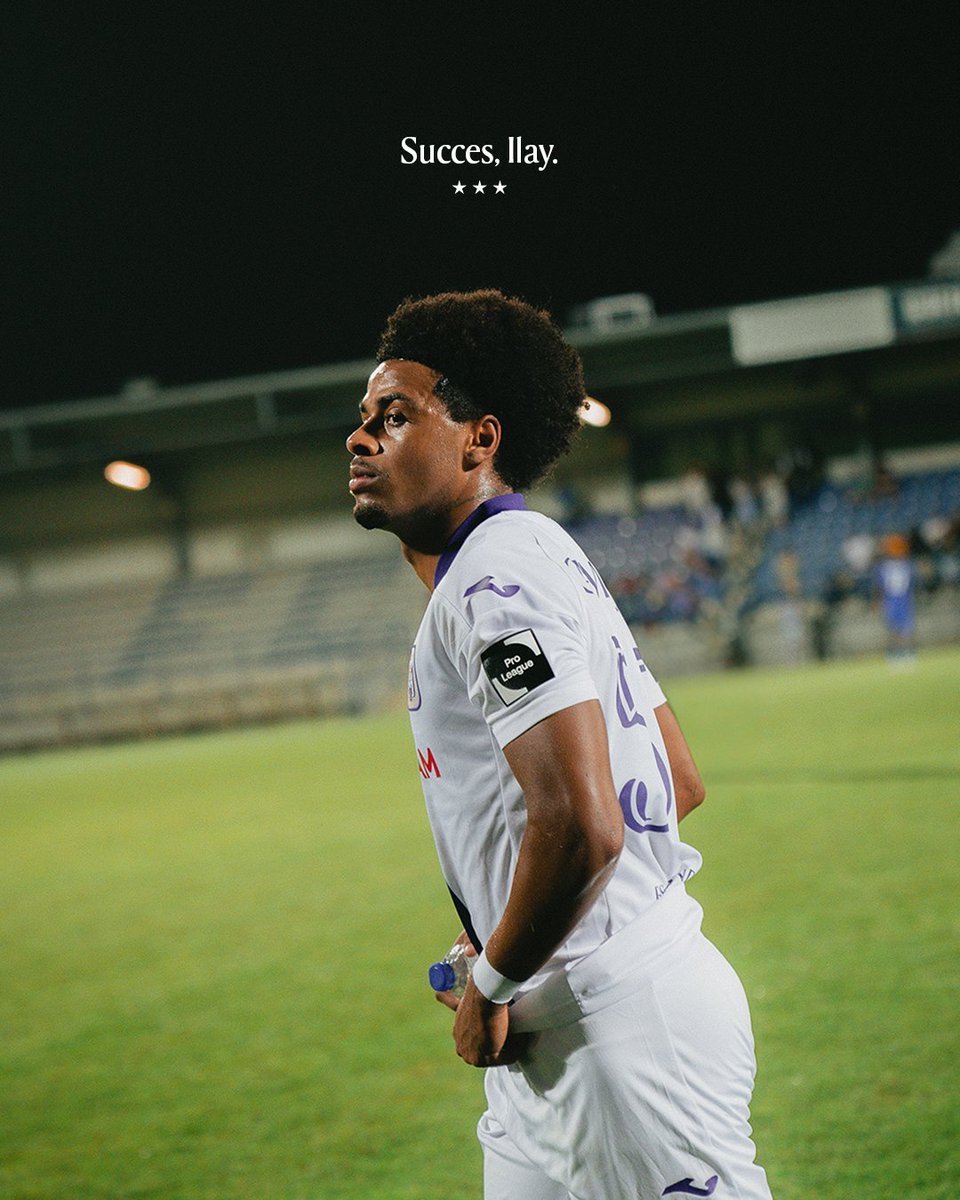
(451, 973)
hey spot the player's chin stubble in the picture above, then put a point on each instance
(370, 516)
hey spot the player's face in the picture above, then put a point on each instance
(407, 473)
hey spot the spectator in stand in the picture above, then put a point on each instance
(682, 603)
(885, 482)
(921, 549)
(837, 588)
(712, 540)
(803, 470)
(939, 539)
(719, 484)
(948, 554)
(695, 490)
(574, 504)
(629, 591)
(788, 574)
(858, 553)
(746, 502)
(792, 612)
(774, 499)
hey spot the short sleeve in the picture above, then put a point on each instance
(653, 689)
(521, 648)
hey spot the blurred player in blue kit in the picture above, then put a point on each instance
(554, 772)
(896, 578)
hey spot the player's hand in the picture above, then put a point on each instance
(481, 1031)
(463, 939)
(447, 998)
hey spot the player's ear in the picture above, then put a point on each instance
(484, 441)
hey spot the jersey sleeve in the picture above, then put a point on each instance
(653, 689)
(518, 642)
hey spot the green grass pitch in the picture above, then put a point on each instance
(213, 950)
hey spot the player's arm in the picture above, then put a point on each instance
(570, 848)
(688, 787)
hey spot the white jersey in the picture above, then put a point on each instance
(520, 626)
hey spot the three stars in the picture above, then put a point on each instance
(478, 187)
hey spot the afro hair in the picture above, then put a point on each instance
(496, 354)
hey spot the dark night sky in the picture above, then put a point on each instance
(195, 193)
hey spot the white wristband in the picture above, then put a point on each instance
(490, 983)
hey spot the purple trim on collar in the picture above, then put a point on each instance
(487, 509)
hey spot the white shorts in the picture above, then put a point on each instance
(645, 1097)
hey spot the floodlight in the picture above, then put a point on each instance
(594, 412)
(127, 475)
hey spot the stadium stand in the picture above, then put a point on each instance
(657, 564)
(280, 641)
(819, 533)
(199, 652)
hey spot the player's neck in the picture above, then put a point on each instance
(425, 565)
(424, 547)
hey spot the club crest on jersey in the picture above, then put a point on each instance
(486, 584)
(414, 699)
(516, 665)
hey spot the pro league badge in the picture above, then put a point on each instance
(516, 665)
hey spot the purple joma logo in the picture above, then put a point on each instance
(686, 1187)
(486, 584)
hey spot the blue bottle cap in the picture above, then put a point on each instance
(442, 977)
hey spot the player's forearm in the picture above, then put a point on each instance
(573, 836)
(688, 788)
(558, 878)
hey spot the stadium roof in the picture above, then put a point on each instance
(147, 418)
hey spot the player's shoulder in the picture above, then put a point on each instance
(523, 541)
(515, 556)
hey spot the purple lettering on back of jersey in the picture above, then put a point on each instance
(414, 699)
(664, 775)
(633, 802)
(595, 585)
(626, 707)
